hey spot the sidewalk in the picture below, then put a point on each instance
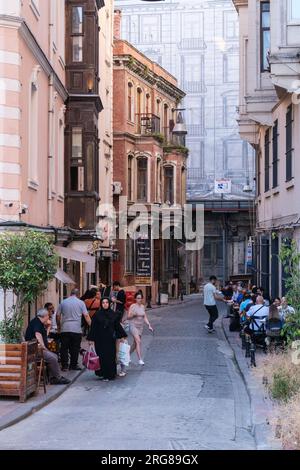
(262, 408)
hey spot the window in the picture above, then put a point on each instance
(90, 167)
(139, 109)
(77, 178)
(129, 176)
(77, 144)
(267, 160)
(258, 173)
(77, 168)
(229, 111)
(129, 263)
(169, 185)
(77, 48)
(148, 104)
(264, 35)
(158, 178)
(231, 25)
(275, 154)
(294, 11)
(192, 30)
(61, 132)
(158, 107)
(150, 31)
(77, 34)
(166, 123)
(195, 116)
(192, 73)
(77, 20)
(130, 102)
(142, 177)
(234, 156)
(289, 143)
(231, 68)
(33, 134)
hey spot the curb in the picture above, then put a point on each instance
(260, 405)
(27, 409)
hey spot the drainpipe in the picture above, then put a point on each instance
(50, 121)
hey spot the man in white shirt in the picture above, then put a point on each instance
(210, 297)
(260, 311)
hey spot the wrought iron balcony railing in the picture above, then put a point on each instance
(147, 124)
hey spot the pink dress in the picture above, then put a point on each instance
(138, 318)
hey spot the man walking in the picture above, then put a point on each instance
(118, 298)
(68, 316)
(210, 297)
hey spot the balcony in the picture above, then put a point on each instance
(194, 129)
(192, 43)
(147, 124)
(193, 86)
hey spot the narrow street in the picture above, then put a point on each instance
(188, 395)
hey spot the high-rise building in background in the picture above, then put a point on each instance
(198, 42)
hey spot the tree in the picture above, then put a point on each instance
(27, 263)
(290, 259)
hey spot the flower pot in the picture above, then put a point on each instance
(18, 369)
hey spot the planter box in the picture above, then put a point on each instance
(18, 369)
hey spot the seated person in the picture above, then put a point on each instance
(37, 330)
(285, 310)
(258, 313)
(274, 323)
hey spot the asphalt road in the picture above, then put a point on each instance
(189, 395)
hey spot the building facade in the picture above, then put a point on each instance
(269, 119)
(32, 119)
(198, 42)
(149, 168)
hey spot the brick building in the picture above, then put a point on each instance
(148, 167)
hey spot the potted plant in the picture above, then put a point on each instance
(27, 263)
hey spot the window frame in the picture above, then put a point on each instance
(77, 35)
(170, 185)
(267, 160)
(145, 170)
(264, 29)
(275, 158)
(289, 151)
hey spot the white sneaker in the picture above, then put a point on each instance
(141, 363)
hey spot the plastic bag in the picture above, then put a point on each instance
(124, 353)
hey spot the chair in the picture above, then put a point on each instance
(42, 371)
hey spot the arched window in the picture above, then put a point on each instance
(142, 179)
(130, 103)
(129, 178)
(169, 184)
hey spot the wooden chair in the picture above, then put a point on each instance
(42, 371)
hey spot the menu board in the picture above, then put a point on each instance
(143, 269)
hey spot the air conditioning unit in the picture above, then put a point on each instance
(117, 187)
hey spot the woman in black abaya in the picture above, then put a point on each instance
(105, 330)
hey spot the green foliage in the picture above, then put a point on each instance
(179, 148)
(284, 386)
(27, 263)
(290, 258)
(159, 137)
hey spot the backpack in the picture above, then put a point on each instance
(273, 328)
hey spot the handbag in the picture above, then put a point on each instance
(90, 359)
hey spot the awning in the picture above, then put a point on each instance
(75, 255)
(63, 277)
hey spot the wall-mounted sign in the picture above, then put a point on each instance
(222, 186)
(143, 269)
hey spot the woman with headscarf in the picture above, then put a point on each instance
(105, 330)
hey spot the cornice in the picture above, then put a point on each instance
(149, 76)
(240, 3)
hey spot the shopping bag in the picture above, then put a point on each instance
(91, 360)
(124, 353)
